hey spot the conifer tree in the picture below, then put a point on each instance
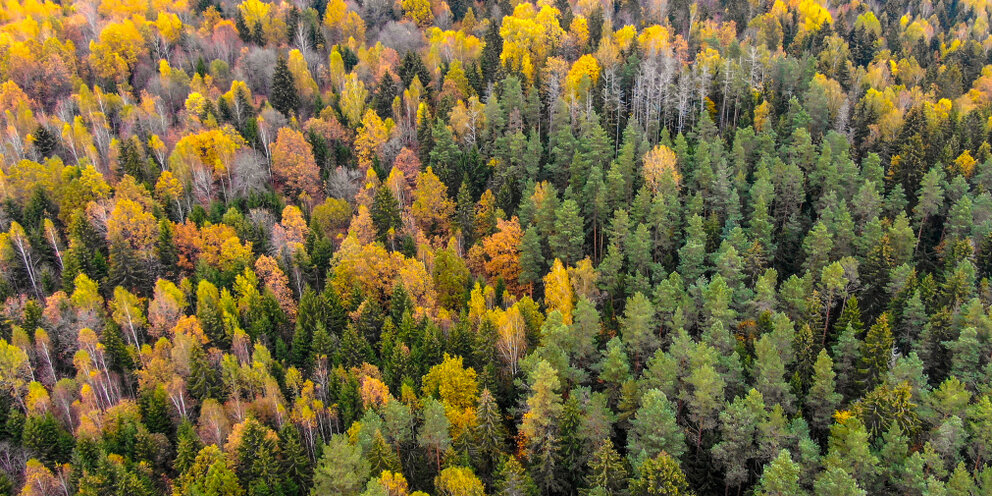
(607, 470)
(876, 352)
(284, 96)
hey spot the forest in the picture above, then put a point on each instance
(496, 247)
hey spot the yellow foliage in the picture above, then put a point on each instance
(582, 78)
(455, 384)
(117, 50)
(371, 135)
(964, 164)
(661, 168)
(305, 85)
(558, 293)
(419, 11)
(813, 15)
(529, 35)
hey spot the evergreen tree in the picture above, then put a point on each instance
(567, 244)
(490, 433)
(154, 408)
(654, 429)
(385, 212)
(822, 399)
(45, 142)
(284, 97)
(47, 440)
(607, 470)
(780, 477)
(532, 262)
(188, 444)
(341, 469)
(660, 476)
(876, 352)
(513, 480)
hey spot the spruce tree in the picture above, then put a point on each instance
(154, 409)
(188, 444)
(607, 470)
(385, 212)
(284, 97)
(45, 142)
(876, 353)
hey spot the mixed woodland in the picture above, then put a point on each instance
(495, 247)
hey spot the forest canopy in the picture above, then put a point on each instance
(505, 248)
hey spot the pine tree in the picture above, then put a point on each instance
(113, 341)
(284, 97)
(692, 254)
(47, 440)
(780, 477)
(341, 470)
(354, 350)
(654, 429)
(204, 379)
(572, 447)
(569, 233)
(444, 157)
(491, 51)
(532, 262)
(739, 437)
(849, 315)
(382, 456)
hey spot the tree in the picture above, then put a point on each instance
(837, 482)
(385, 213)
(210, 474)
(458, 481)
(660, 170)
(638, 327)
(341, 469)
(569, 234)
(876, 352)
(433, 434)
(489, 433)
(284, 96)
(822, 399)
(660, 476)
(558, 293)
(739, 436)
(654, 430)
(431, 207)
(707, 393)
(532, 261)
(512, 479)
(502, 250)
(780, 477)
(44, 437)
(293, 166)
(539, 425)
(607, 469)
(691, 254)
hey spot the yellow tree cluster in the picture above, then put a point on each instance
(529, 36)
